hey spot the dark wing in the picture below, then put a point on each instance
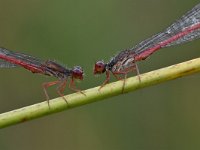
(191, 18)
(18, 57)
(35, 65)
(6, 64)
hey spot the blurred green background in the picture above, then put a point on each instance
(76, 32)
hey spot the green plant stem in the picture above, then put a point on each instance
(113, 89)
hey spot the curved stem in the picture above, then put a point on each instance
(93, 94)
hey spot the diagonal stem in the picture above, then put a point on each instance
(93, 94)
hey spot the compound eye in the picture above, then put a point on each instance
(99, 67)
(77, 73)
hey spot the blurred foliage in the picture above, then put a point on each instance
(78, 32)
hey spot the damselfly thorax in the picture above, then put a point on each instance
(124, 62)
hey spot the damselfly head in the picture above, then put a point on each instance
(77, 73)
(99, 67)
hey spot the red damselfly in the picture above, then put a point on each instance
(185, 29)
(11, 59)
